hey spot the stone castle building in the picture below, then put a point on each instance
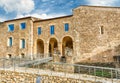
(91, 34)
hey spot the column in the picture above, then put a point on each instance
(46, 49)
(60, 48)
(52, 48)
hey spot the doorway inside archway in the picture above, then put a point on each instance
(40, 47)
(53, 46)
(67, 46)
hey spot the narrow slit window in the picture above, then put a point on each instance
(101, 30)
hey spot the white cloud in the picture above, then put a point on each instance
(19, 6)
(102, 2)
(42, 16)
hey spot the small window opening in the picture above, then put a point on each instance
(9, 56)
(22, 55)
(101, 30)
(63, 59)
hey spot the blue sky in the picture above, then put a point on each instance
(11, 9)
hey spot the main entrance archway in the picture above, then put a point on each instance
(40, 47)
(67, 46)
(53, 46)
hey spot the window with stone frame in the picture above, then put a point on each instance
(10, 41)
(66, 27)
(22, 25)
(39, 31)
(52, 29)
(10, 27)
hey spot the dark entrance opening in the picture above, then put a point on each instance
(63, 59)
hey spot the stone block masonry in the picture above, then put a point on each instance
(91, 34)
(20, 75)
(17, 77)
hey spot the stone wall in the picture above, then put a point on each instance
(18, 77)
(93, 44)
(16, 35)
(85, 26)
(9, 76)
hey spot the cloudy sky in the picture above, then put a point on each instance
(11, 9)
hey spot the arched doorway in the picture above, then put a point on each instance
(40, 47)
(53, 46)
(67, 46)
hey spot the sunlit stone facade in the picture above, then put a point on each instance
(91, 34)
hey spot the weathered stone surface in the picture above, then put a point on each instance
(93, 31)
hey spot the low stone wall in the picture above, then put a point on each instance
(17, 77)
(30, 76)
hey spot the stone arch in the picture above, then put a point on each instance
(40, 47)
(67, 46)
(67, 36)
(53, 46)
(51, 38)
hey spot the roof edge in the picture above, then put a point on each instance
(29, 17)
(53, 18)
(96, 6)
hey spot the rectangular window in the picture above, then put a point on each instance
(22, 43)
(11, 27)
(39, 30)
(52, 29)
(10, 41)
(101, 30)
(66, 27)
(23, 26)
